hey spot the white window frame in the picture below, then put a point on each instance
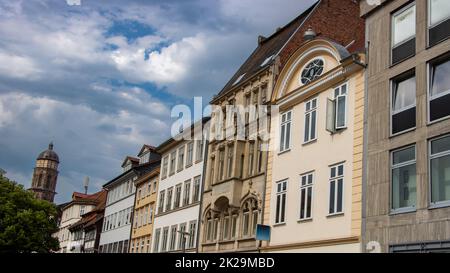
(190, 154)
(336, 98)
(283, 146)
(336, 179)
(281, 192)
(396, 166)
(305, 188)
(430, 25)
(410, 5)
(309, 111)
(393, 112)
(431, 157)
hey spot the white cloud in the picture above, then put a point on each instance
(21, 67)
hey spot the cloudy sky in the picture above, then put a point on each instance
(99, 79)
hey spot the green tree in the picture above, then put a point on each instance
(26, 223)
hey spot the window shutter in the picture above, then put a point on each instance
(331, 116)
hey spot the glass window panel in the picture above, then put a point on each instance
(440, 80)
(404, 187)
(340, 119)
(439, 11)
(307, 121)
(440, 145)
(440, 179)
(404, 25)
(308, 203)
(283, 206)
(288, 134)
(404, 94)
(339, 195)
(332, 194)
(404, 155)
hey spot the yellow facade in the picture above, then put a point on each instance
(144, 212)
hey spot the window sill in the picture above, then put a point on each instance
(440, 205)
(402, 211)
(284, 152)
(430, 123)
(301, 221)
(309, 142)
(279, 225)
(335, 215)
(188, 166)
(402, 133)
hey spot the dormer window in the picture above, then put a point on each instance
(127, 166)
(145, 158)
(312, 71)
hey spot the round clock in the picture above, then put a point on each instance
(312, 71)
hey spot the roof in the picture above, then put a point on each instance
(95, 214)
(144, 147)
(267, 48)
(139, 170)
(168, 143)
(49, 154)
(132, 159)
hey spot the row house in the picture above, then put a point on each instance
(175, 227)
(116, 230)
(407, 143)
(241, 171)
(86, 232)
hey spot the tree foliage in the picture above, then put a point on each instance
(26, 223)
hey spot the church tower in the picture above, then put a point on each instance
(45, 175)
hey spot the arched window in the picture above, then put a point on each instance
(250, 216)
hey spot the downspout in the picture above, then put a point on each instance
(365, 148)
(202, 186)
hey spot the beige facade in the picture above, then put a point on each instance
(314, 174)
(144, 212)
(416, 222)
(235, 179)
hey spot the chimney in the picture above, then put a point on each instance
(86, 184)
(309, 34)
(261, 39)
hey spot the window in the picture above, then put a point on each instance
(145, 158)
(177, 196)
(336, 189)
(180, 159)
(212, 173)
(255, 215)
(150, 214)
(156, 242)
(403, 109)
(209, 229)
(281, 202)
(165, 237)
(187, 191)
(403, 192)
(182, 236)
(155, 185)
(340, 95)
(439, 94)
(440, 170)
(251, 156)
(310, 120)
(190, 154)
(306, 196)
(285, 131)
(173, 238)
(165, 166)
(247, 112)
(196, 196)
(246, 224)
(172, 162)
(312, 71)
(169, 199)
(234, 219)
(439, 21)
(260, 156)
(404, 33)
(145, 215)
(192, 232)
(221, 164)
(199, 150)
(230, 161)
(162, 194)
(226, 227)
(82, 210)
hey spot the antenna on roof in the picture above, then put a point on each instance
(86, 184)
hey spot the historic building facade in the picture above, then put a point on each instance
(313, 190)
(407, 181)
(85, 233)
(45, 175)
(176, 223)
(144, 211)
(71, 213)
(116, 231)
(235, 199)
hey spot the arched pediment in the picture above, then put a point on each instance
(308, 64)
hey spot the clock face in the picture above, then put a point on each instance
(312, 71)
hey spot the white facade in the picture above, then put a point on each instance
(179, 210)
(70, 215)
(118, 215)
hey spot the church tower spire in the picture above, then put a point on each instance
(45, 174)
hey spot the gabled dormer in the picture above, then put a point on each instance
(148, 154)
(129, 163)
